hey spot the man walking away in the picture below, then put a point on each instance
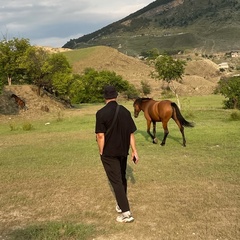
(115, 135)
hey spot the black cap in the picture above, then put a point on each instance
(110, 92)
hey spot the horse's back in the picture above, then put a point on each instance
(160, 110)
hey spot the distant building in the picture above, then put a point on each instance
(223, 65)
(235, 54)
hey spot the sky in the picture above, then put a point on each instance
(54, 22)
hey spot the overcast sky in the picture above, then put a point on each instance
(54, 22)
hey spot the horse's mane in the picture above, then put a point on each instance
(147, 98)
(143, 99)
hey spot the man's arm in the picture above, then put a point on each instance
(100, 140)
(133, 147)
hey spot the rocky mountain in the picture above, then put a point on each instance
(206, 26)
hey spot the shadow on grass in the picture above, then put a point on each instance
(130, 175)
(54, 231)
(159, 136)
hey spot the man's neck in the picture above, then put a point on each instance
(110, 100)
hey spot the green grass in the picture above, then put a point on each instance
(76, 55)
(53, 186)
(54, 231)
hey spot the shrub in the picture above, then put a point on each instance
(230, 89)
(13, 127)
(146, 88)
(88, 87)
(235, 116)
(27, 126)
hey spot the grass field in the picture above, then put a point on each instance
(53, 186)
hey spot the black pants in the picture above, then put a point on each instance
(115, 168)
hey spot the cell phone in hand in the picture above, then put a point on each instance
(134, 159)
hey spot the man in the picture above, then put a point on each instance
(114, 148)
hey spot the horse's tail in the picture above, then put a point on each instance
(179, 116)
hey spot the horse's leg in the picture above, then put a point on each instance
(166, 132)
(181, 128)
(154, 133)
(183, 135)
(149, 132)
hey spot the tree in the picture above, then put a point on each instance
(131, 92)
(57, 63)
(88, 87)
(51, 71)
(230, 89)
(33, 62)
(59, 73)
(169, 70)
(11, 52)
(61, 83)
(151, 54)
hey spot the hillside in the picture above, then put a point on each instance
(200, 78)
(201, 75)
(106, 58)
(172, 25)
(37, 106)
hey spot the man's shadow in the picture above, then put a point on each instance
(130, 175)
(159, 136)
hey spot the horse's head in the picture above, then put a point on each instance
(136, 106)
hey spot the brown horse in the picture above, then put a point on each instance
(19, 101)
(160, 111)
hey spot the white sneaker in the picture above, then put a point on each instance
(125, 217)
(118, 209)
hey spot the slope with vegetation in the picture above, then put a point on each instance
(200, 77)
(21, 63)
(37, 106)
(172, 25)
(89, 69)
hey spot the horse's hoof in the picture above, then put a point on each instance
(162, 144)
(155, 140)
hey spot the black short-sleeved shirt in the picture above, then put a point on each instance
(117, 142)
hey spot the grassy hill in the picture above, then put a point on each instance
(172, 25)
(201, 75)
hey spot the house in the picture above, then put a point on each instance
(223, 65)
(235, 54)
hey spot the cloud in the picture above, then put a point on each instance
(55, 22)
